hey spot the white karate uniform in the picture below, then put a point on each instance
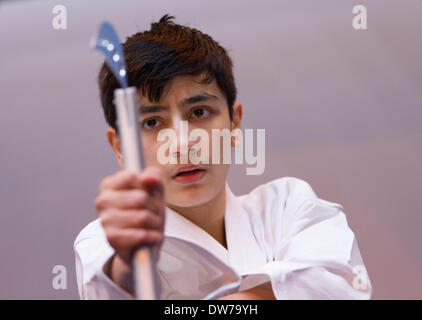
(280, 232)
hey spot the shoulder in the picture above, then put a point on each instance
(284, 196)
(92, 230)
(279, 191)
(286, 206)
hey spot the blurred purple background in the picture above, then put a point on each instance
(341, 108)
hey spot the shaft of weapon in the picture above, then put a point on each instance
(144, 261)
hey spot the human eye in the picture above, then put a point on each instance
(150, 124)
(200, 112)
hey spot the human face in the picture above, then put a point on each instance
(202, 106)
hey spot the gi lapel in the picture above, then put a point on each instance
(179, 227)
(245, 255)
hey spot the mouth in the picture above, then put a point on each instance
(189, 174)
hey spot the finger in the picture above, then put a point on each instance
(121, 180)
(127, 199)
(131, 239)
(131, 219)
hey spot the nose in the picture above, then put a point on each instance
(184, 145)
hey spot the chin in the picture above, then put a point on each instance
(190, 195)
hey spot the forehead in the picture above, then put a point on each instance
(182, 87)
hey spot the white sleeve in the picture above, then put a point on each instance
(92, 254)
(315, 253)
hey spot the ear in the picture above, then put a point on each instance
(236, 122)
(114, 141)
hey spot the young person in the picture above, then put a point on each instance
(280, 241)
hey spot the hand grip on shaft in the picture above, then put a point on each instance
(144, 261)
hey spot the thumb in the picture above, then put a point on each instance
(151, 179)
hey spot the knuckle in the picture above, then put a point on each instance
(141, 219)
(101, 202)
(112, 235)
(128, 176)
(106, 217)
(104, 220)
(141, 237)
(121, 173)
(97, 203)
(103, 184)
(139, 198)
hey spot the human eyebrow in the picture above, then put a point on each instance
(200, 97)
(203, 96)
(151, 109)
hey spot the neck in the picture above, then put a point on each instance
(208, 216)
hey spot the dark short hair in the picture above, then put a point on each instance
(168, 50)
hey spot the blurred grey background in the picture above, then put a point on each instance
(341, 109)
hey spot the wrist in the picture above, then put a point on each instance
(120, 273)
